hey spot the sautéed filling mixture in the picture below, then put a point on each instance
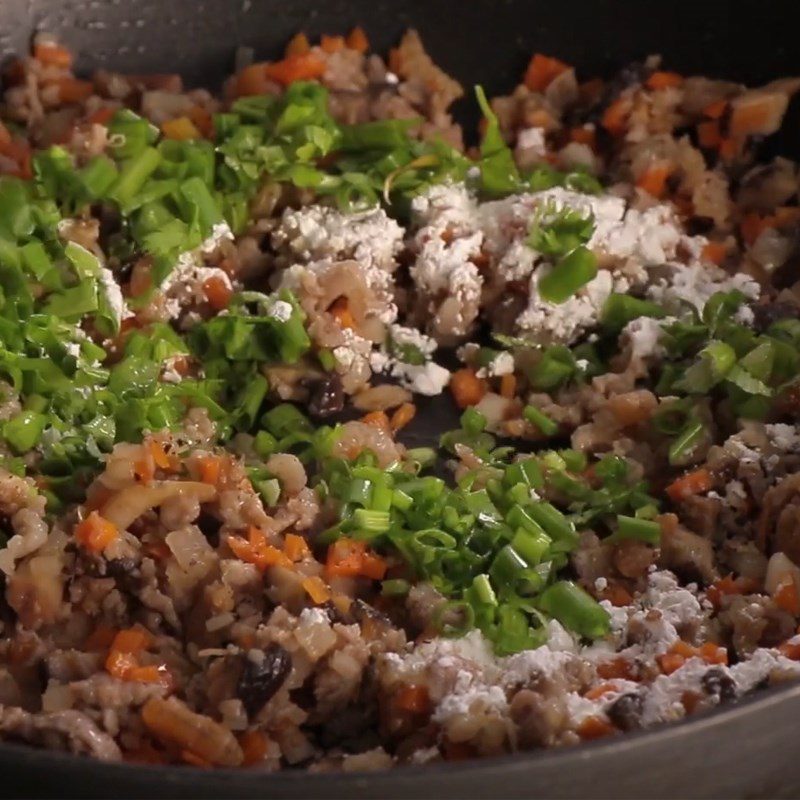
(219, 317)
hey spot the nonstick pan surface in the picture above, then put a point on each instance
(749, 750)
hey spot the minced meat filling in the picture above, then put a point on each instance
(222, 542)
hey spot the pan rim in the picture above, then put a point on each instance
(717, 718)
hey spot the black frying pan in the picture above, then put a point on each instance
(747, 751)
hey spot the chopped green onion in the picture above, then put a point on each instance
(536, 417)
(483, 590)
(473, 422)
(570, 274)
(424, 456)
(715, 361)
(395, 587)
(686, 442)
(532, 546)
(371, 522)
(554, 523)
(575, 609)
(133, 175)
(24, 431)
(269, 490)
(642, 530)
(454, 618)
(556, 366)
(526, 471)
(620, 309)
(285, 419)
(265, 444)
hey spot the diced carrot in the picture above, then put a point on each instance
(251, 80)
(255, 550)
(402, 416)
(345, 557)
(615, 117)
(144, 470)
(757, 113)
(689, 701)
(690, 484)
(102, 116)
(357, 40)
(617, 595)
(341, 313)
(95, 533)
(331, 44)
(413, 699)
(159, 455)
(119, 664)
(664, 80)
(729, 148)
(583, 135)
(304, 67)
(373, 566)
(595, 728)
(100, 638)
(377, 419)
(654, 180)
(131, 640)
(542, 71)
(729, 586)
(790, 650)
(681, 651)
(298, 45)
(218, 292)
(53, 55)
(616, 668)
(508, 385)
(242, 549)
(181, 129)
(598, 691)
(71, 90)
(350, 557)
(669, 662)
(210, 468)
(709, 134)
(150, 674)
(255, 745)
(754, 224)
(786, 596)
(715, 252)
(317, 589)
(682, 648)
(467, 388)
(295, 547)
(202, 120)
(716, 109)
(712, 653)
